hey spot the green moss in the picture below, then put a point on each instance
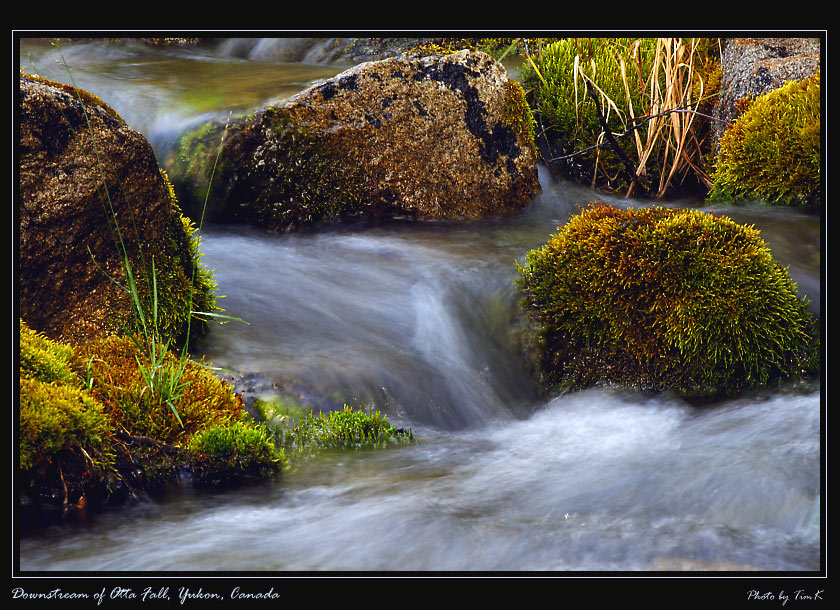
(179, 283)
(342, 429)
(276, 410)
(58, 420)
(517, 113)
(665, 298)
(235, 451)
(773, 151)
(492, 46)
(43, 359)
(191, 167)
(61, 421)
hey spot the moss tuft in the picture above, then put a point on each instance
(517, 113)
(235, 452)
(342, 429)
(773, 151)
(61, 420)
(663, 298)
(44, 359)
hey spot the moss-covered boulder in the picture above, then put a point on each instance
(430, 138)
(661, 298)
(91, 194)
(773, 151)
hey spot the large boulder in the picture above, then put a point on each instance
(752, 66)
(428, 138)
(71, 250)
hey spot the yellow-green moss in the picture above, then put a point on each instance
(517, 113)
(235, 451)
(61, 420)
(44, 359)
(179, 283)
(665, 298)
(345, 428)
(773, 150)
(58, 419)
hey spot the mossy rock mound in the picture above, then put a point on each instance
(665, 299)
(441, 138)
(92, 433)
(773, 151)
(91, 194)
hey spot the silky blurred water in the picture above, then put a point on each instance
(421, 321)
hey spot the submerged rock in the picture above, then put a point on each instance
(70, 246)
(428, 138)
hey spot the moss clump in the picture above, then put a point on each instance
(235, 452)
(44, 359)
(342, 429)
(517, 113)
(773, 151)
(61, 420)
(92, 430)
(663, 298)
(65, 440)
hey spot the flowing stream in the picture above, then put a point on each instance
(421, 322)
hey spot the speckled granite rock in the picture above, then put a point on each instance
(64, 219)
(427, 138)
(752, 66)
